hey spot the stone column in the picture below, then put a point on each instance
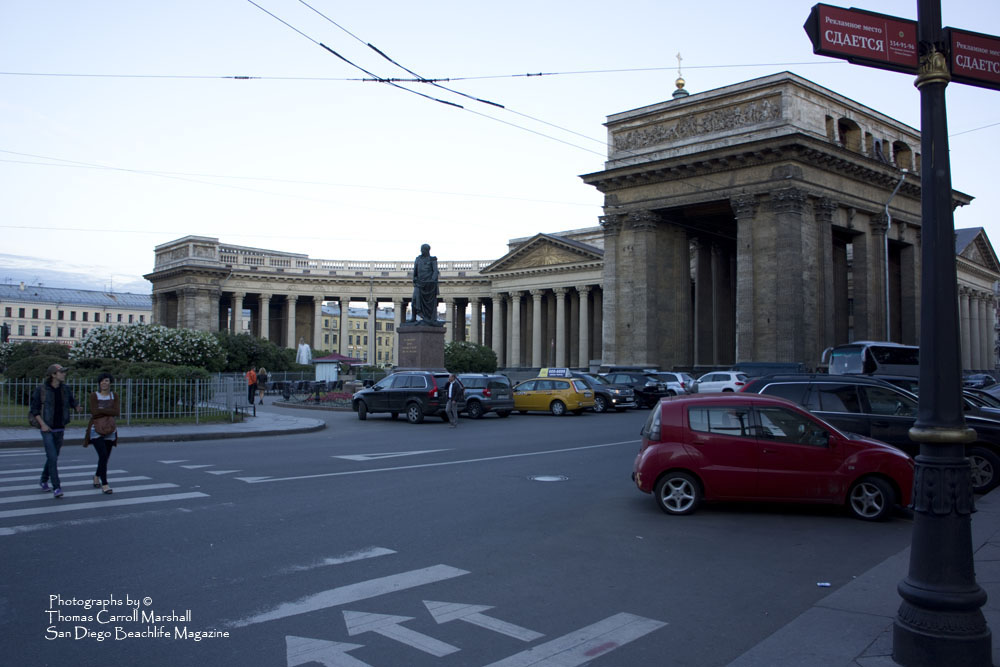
(449, 315)
(345, 307)
(745, 209)
(265, 316)
(237, 317)
(499, 344)
(317, 334)
(154, 316)
(705, 325)
(560, 326)
(291, 341)
(792, 290)
(597, 317)
(536, 327)
(372, 347)
(974, 329)
(823, 210)
(965, 326)
(475, 315)
(879, 237)
(984, 333)
(612, 225)
(584, 324)
(397, 319)
(515, 330)
(214, 296)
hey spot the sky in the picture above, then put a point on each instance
(122, 125)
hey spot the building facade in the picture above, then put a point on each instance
(978, 286)
(54, 315)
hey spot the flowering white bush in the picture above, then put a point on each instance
(152, 342)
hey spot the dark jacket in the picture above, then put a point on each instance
(113, 410)
(69, 403)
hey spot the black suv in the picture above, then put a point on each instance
(485, 392)
(417, 394)
(648, 389)
(879, 410)
(608, 395)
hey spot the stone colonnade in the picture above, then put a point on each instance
(977, 312)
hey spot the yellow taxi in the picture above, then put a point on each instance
(553, 394)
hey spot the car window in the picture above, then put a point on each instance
(559, 385)
(580, 385)
(793, 392)
(834, 398)
(720, 420)
(741, 377)
(473, 383)
(784, 425)
(884, 401)
(527, 386)
(416, 382)
(386, 382)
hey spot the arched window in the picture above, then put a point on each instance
(902, 156)
(849, 134)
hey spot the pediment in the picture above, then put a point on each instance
(980, 252)
(546, 251)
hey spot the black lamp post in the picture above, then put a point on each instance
(940, 621)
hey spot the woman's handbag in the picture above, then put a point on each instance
(104, 425)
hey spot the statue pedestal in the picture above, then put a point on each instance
(421, 346)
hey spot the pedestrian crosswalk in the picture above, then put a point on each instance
(21, 498)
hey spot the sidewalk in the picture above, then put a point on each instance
(852, 627)
(269, 421)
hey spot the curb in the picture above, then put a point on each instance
(185, 436)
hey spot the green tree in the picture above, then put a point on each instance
(463, 356)
(243, 351)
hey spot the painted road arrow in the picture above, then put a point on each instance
(584, 645)
(453, 611)
(385, 455)
(302, 650)
(389, 626)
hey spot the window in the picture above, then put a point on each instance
(48, 331)
(528, 386)
(8, 311)
(334, 339)
(20, 312)
(72, 316)
(834, 398)
(142, 319)
(326, 339)
(48, 314)
(34, 329)
(97, 317)
(61, 314)
(59, 332)
(390, 327)
(20, 329)
(119, 316)
(350, 339)
(131, 318)
(884, 401)
(378, 326)
(85, 314)
(366, 340)
(34, 313)
(72, 332)
(721, 421)
(107, 317)
(83, 332)
(790, 391)
(784, 425)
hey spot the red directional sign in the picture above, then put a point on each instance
(975, 58)
(864, 38)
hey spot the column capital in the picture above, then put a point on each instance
(643, 221)
(292, 297)
(788, 200)
(744, 205)
(237, 295)
(560, 291)
(880, 224)
(536, 294)
(824, 208)
(611, 224)
(515, 297)
(583, 289)
(265, 296)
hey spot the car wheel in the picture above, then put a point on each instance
(678, 493)
(558, 408)
(362, 411)
(475, 409)
(985, 469)
(600, 404)
(503, 413)
(414, 414)
(871, 499)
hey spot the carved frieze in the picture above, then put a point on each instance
(733, 117)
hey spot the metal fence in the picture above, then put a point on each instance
(142, 401)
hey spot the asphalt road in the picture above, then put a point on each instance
(518, 541)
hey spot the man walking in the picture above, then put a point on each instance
(50, 409)
(456, 390)
(251, 385)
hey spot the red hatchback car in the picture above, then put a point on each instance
(766, 449)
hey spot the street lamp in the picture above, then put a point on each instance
(885, 251)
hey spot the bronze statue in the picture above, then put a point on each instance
(425, 288)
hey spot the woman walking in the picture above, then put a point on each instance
(102, 431)
(261, 383)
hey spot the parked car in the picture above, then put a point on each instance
(721, 381)
(608, 396)
(979, 381)
(555, 395)
(874, 408)
(648, 390)
(679, 383)
(485, 393)
(759, 448)
(416, 394)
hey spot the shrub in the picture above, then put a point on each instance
(152, 342)
(462, 356)
(243, 351)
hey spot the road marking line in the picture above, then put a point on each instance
(302, 650)
(372, 552)
(582, 646)
(37, 475)
(65, 506)
(21, 471)
(443, 612)
(195, 467)
(118, 489)
(220, 472)
(174, 461)
(81, 482)
(363, 590)
(386, 455)
(260, 480)
(389, 626)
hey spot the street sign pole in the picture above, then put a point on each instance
(940, 621)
